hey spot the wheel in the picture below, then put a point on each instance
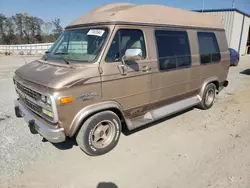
(208, 97)
(100, 133)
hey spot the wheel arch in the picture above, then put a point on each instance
(213, 80)
(88, 111)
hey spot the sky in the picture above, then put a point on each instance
(68, 10)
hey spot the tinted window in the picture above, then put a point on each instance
(208, 48)
(173, 49)
(125, 39)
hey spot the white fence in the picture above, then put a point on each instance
(26, 48)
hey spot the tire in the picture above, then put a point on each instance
(94, 138)
(210, 90)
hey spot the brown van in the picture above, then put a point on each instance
(122, 66)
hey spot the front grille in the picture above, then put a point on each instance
(32, 100)
(32, 106)
(31, 93)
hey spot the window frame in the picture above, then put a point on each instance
(111, 40)
(217, 44)
(157, 53)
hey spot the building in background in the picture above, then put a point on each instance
(237, 26)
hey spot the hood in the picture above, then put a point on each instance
(56, 75)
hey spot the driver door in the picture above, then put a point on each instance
(131, 88)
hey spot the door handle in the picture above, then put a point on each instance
(146, 68)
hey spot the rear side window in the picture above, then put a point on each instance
(125, 39)
(173, 49)
(208, 48)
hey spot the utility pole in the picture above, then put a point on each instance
(233, 4)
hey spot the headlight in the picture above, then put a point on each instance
(47, 112)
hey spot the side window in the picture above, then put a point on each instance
(173, 49)
(208, 48)
(125, 39)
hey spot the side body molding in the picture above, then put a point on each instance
(91, 109)
(106, 105)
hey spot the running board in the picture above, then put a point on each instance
(162, 112)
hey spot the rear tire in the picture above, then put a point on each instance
(208, 97)
(100, 133)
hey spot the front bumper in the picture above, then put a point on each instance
(51, 133)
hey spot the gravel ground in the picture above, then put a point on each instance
(18, 148)
(194, 149)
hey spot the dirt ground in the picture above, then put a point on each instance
(193, 149)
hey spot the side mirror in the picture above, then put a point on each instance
(130, 55)
(133, 55)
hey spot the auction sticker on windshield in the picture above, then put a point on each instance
(96, 32)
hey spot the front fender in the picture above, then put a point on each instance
(89, 110)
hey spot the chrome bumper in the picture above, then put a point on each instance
(54, 135)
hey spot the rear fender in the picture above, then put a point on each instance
(207, 81)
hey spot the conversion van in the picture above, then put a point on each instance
(119, 67)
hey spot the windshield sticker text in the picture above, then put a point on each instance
(96, 32)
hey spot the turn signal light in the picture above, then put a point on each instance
(66, 100)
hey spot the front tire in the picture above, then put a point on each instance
(100, 133)
(208, 97)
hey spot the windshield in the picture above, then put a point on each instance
(79, 44)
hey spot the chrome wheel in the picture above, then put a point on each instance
(103, 134)
(209, 98)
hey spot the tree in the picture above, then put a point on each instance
(19, 21)
(38, 34)
(58, 28)
(24, 28)
(47, 28)
(32, 29)
(9, 33)
(2, 23)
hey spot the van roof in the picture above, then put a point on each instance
(126, 13)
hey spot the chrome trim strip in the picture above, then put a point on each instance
(54, 109)
(162, 112)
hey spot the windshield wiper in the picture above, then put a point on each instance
(61, 53)
(64, 59)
